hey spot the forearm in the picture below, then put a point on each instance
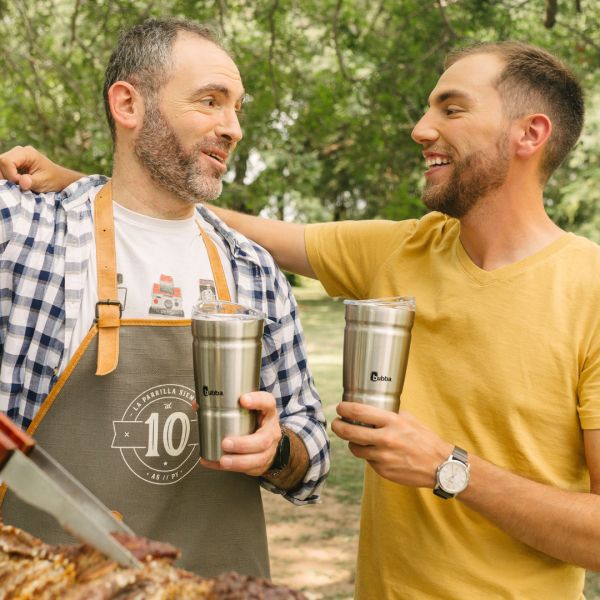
(562, 524)
(284, 241)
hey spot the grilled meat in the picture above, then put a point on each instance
(32, 570)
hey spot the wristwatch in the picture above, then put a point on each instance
(452, 476)
(282, 455)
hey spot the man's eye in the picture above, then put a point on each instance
(452, 110)
(208, 102)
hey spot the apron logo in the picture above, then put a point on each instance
(158, 434)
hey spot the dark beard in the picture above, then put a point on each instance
(472, 178)
(160, 152)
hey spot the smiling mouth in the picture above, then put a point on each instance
(215, 157)
(436, 161)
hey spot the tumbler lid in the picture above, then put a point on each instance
(400, 302)
(222, 310)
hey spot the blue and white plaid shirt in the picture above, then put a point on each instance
(44, 245)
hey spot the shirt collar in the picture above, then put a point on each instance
(77, 193)
(241, 247)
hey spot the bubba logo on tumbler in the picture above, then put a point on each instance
(376, 377)
(207, 392)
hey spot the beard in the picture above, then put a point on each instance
(471, 179)
(170, 166)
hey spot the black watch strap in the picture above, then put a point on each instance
(460, 454)
(442, 493)
(282, 454)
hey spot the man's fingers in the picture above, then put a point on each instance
(8, 169)
(263, 401)
(18, 165)
(250, 464)
(253, 453)
(262, 440)
(25, 182)
(210, 464)
(364, 436)
(363, 413)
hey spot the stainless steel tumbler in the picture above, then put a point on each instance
(227, 354)
(376, 344)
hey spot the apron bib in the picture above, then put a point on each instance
(131, 437)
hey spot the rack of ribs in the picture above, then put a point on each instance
(33, 570)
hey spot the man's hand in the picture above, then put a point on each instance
(252, 454)
(31, 170)
(398, 447)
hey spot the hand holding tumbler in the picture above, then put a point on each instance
(376, 345)
(227, 342)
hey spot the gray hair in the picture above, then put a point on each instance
(143, 56)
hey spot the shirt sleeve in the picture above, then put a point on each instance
(347, 255)
(588, 391)
(10, 199)
(285, 374)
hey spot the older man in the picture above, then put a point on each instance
(96, 284)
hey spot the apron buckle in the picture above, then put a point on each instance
(109, 303)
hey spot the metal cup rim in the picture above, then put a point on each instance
(396, 302)
(221, 310)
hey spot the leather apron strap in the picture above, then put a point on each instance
(108, 307)
(216, 266)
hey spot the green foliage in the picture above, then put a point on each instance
(335, 87)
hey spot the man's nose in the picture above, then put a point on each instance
(425, 131)
(229, 126)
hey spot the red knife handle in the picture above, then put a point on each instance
(22, 441)
(7, 447)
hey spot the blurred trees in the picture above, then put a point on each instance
(335, 87)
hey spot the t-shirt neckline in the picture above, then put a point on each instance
(484, 277)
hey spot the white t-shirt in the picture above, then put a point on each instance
(162, 270)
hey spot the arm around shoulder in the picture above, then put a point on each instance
(32, 170)
(283, 240)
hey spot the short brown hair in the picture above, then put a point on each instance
(143, 56)
(534, 80)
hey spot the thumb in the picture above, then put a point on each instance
(25, 182)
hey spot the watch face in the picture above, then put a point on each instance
(453, 477)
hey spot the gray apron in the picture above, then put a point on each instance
(131, 436)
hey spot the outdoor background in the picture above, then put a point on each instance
(334, 89)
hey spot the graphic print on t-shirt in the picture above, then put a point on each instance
(206, 289)
(166, 298)
(122, 290)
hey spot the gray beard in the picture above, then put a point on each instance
(160, 152)
(472, 179)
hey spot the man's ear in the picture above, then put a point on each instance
(126, 105)
(534, 132)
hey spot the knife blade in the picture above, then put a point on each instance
(35, 486)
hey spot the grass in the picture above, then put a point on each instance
(323, 322)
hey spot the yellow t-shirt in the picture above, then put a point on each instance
(505, 364)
